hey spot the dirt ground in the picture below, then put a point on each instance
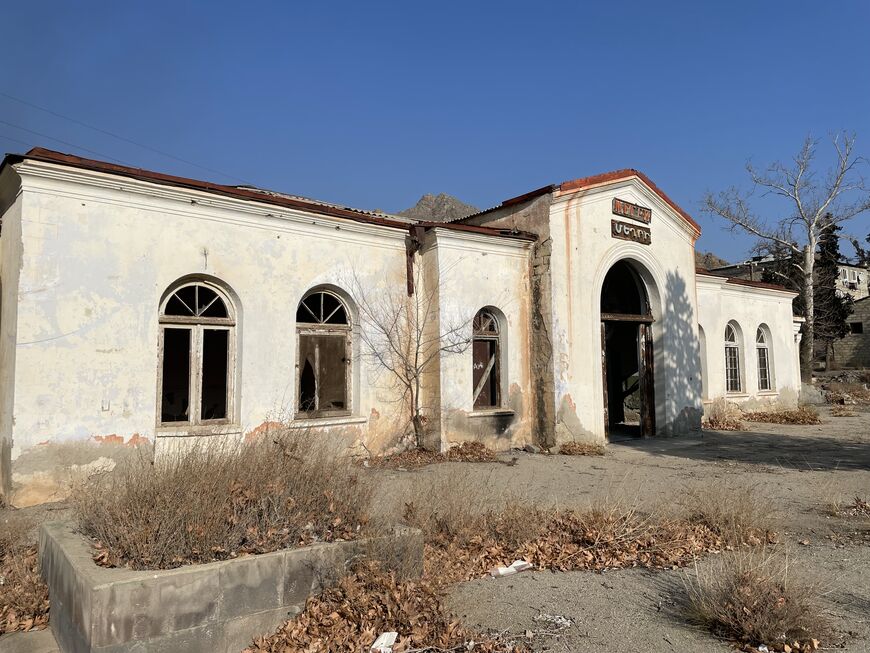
(801, 468)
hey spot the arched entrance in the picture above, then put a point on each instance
(627, 354)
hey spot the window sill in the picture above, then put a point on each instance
(736, 395)
(490, 412)
(197, 430)
(313, 422)
(767, 393)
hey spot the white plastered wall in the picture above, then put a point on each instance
(477, 271)
(583, 251)
(719, 303)
(99, 251)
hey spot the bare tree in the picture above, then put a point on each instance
(403, 335)
(814, 204)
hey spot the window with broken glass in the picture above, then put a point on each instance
(197, 341)
(486, 367)
(323, 361)
(732, 360)
(761, 349)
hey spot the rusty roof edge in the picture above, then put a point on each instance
(511, 201)
(141, 174)
(744, 282)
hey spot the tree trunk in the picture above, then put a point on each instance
(808, 341)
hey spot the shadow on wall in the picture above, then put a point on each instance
(682, 360)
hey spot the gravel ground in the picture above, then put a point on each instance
(802, 469)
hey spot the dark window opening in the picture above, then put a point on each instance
(215, 363)
(176, 376)
(197, 328)
(621, 292)
(486, 372)
(856, 327)
(485, 353)
(323, 374)
(321, 308)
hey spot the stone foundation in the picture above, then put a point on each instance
(219, 606)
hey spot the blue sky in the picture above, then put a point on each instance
(373, 104)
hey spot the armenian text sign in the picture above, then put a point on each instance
(626, 231)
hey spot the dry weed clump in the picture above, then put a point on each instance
(349, 617)
(581, 449)
(23, 595)
(722, 415)
(212, 503)
(466, 452)
(839, 410)
(801, 415)
(848, 393)
(468, 532)
(737, 515)
(751, 597)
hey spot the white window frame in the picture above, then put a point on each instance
(315, 329)
(732, 351)
(762, 351)
(197, 326)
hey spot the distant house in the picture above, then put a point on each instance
(853, 351)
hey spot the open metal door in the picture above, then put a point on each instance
(604, 379)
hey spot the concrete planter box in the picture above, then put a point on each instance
(218, 606)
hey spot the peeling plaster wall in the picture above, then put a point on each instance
(583, 252)
(98, 253)
(10, 262)
(720, 302)
(477, 272)
(533, 216)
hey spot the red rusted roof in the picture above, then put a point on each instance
(627, 173)
(589, 182)
(253, 194)
(743, 282)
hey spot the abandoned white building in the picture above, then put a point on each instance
(141, 305)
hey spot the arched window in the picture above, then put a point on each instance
(197, 356)
(702, 350)
(763, 352)
(732, 359)
(486, 363)
(324, 331)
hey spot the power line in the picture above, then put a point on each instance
(14, 140)
(119, 137)
(67, 143)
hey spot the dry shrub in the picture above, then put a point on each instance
(839, 410)
(467, 534)
(722, 415)
(284, 489)
(349, 617)
(847, 393)
(738, 515)
(581, 449)
(466, 452)
(801, 415)
(23, 595)
(752, 597)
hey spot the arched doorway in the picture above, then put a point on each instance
(627, 354)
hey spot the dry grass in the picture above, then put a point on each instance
(839, 410)
(469, 530)
(466, 452)
(722, 415)
(752, 596)
(801, 415)
(23, 595)
(738, 515)
(582, 449)
(284, 489)
(349, 617)
(847, 393)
